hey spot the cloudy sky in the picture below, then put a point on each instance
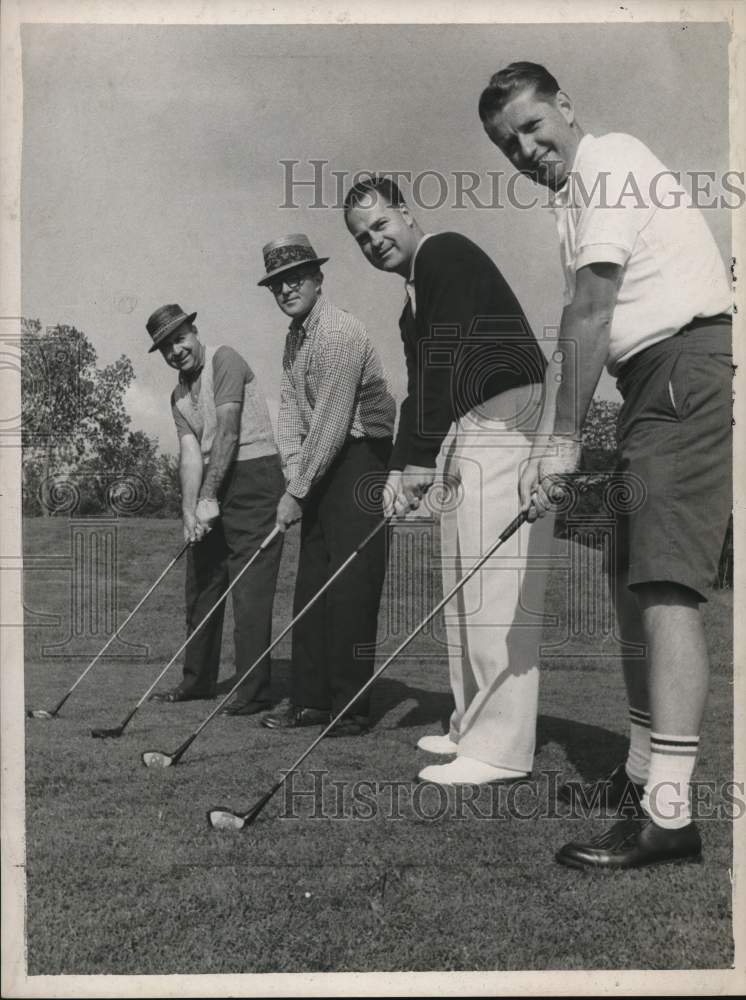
(152, 164)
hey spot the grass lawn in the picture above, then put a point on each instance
(124, 876)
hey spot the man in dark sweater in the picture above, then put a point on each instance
(473, 366)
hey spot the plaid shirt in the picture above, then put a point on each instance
(333, 388)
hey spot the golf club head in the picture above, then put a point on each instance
(224, 819)
(106, 734)
(40, 713)
(154, 758)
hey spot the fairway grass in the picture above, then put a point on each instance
(351, 868)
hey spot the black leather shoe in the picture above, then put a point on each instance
(295, 716)
(350, 725)
(634, 843)
(179, 694)
(244, 707)
(615, 794)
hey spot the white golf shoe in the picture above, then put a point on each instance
(440, 743)
(469, 771)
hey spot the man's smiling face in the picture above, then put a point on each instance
(536, 134)
(386, 234)
(297, 290)
(182, 349)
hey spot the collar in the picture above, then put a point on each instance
(563, 197)
(306, 326)
(409, 283)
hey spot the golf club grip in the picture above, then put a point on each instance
(513, 526)
(270, 538)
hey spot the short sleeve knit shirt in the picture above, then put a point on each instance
(621, 205)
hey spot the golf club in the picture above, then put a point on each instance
(42, 713)
(222, 818)
(154, 758)
(103, 734)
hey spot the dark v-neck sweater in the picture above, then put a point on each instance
(468, 341)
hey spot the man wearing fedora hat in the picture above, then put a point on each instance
(335, 434)
(231, 480)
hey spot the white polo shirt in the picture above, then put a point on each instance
(621, 205)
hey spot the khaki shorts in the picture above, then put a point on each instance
(674, 434)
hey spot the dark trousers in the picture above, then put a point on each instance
(330, 663)
(675, 439)
(248, 503)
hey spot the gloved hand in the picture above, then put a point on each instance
(207, 512)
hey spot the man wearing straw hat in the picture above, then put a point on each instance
(335, 434)
(231, 480)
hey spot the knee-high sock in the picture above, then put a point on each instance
(638, 756)
(666, 798)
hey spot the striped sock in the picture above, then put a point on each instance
(666, 798)
(638, 756)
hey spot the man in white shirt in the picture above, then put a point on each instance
(646, 295)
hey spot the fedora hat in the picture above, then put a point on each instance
(164, 321)
(286, 253)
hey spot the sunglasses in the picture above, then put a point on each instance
(293, 282)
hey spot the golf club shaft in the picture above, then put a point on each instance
(275, 531)
(510, 530)
(182, 749)
(126, 621)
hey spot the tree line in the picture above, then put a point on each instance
(79, 454)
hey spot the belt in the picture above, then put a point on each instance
(721, 319)
(698, 323)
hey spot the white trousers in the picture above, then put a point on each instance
(494, 624)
